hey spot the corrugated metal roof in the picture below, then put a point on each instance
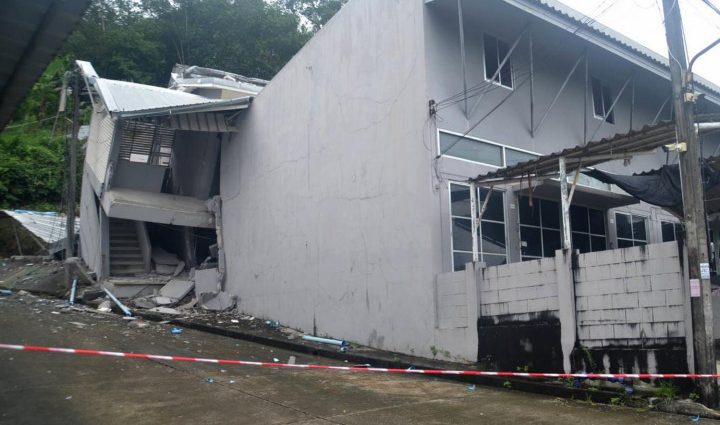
(47, 226)
(584, 21)
(122, 96)
(643, 140)
(31, 32)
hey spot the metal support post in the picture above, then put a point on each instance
(565, 205)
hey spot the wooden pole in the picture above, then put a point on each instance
(696, 237)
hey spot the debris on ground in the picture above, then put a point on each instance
(683, 407)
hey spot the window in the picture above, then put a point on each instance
(631, 230)
(588, 229)
(602, 101)
(146, 143)
(480, 151)
(495, 51)
(670, 231)
(491, 241)
(539, 228)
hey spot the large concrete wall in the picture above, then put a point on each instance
(194, 163)
(329, 224)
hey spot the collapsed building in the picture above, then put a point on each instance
(398, 183)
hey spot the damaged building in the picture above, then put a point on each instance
(395, 185)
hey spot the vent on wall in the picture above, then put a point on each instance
(146, 143)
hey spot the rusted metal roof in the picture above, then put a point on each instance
(31, 33)
(593, 153)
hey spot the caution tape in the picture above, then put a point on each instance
(359, 368)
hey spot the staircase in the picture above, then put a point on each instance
(126, 257)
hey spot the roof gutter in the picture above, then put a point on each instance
(226, 105)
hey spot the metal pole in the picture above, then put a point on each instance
(565, 205)
(585, 96)
(474, 222)
(463, 61)
(632, 103)
(72, 171)
(532, 84)
(693, 204)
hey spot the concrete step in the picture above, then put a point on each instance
(123, 237)
(124, 243)
(138, 258)
(124, 262)
(124, 248)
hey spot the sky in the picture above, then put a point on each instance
(641, 20)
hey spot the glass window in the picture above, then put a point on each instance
(491, 240)
(470, 149)
(631, 230)
(602, 101)
(495, 52)
(513, 157)
(588, 229)
(539, 228)
(670, 231)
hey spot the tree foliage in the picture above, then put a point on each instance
(140, 41)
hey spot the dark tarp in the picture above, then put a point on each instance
(659, 187)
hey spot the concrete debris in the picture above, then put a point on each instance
(179, 269)
(143, 302)
(140, 324)
(207, 280)
(164, 269)
(5, 292)
(177, 289)
(89, 294)
(105, 306)
(683, 407)
(219, 301)
(160, 301)
(78, 324)
(190, 305)
(165, 310)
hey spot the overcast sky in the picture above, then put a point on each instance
(642, 21)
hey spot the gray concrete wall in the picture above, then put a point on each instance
(90, 230)
(631, 296)
(139, 176)
(330, 222)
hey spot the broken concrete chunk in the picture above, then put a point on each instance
(105, 306)
(164, 269)
(177, 289)
(219, 301)
(143, 302)
(207, 280)
(165, 310)
(160, 300)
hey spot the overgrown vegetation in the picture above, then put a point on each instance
(140, 41)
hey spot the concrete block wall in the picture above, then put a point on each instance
(456, 314)
(517, 291)
(630, 297)
(452, 306)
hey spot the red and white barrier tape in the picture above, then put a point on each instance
(358, 368)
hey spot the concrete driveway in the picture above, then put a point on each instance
(42, 388)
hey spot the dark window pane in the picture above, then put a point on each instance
(472, 150)
(530, 241)
(491, 57)
(678, 231)
(493, 238)
(551, 242)
(623, 226)
(581, 242)
(494, 260)
(495, 209)
(607, 103)
(597, 97)
(459, 260)
(529, 215)
(513, 157)
(598, 243)
(460, 200)
(506, 71)
(579, 219)
(638, 227)
(668, 231)
(462, 234)
(640, 243)
(624, 243)
(550, 214)
(597, 222)
(528, 259)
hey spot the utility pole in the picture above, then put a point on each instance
(696, 241)
(72, 169)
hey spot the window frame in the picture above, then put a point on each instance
(477, 139)
(603, 88)
(632, 229)
(509, 63)
(589, 232)
(473, 223)
(676, 225)
(539, 227)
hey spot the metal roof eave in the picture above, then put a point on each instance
(221, 106)
(608, 149)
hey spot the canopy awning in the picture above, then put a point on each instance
(622, 146)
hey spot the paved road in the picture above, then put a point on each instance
(40, 388)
